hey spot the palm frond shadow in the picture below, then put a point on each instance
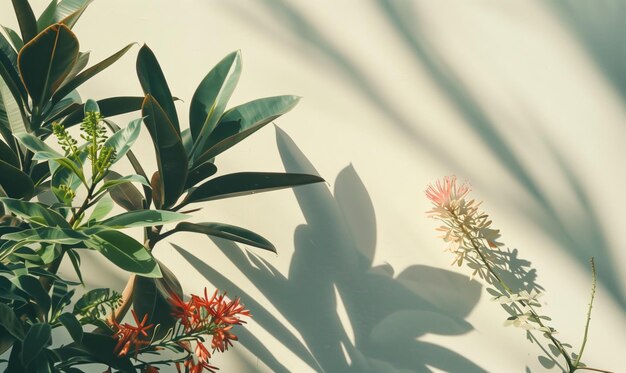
(581, 237)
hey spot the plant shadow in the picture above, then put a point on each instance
(332, 269)
(578, 234)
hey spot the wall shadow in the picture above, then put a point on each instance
(332, 268)
(581, 235)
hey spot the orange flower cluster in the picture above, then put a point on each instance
(213, 316)
(130, 337)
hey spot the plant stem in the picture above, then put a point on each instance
(476, 248)
(593, 294)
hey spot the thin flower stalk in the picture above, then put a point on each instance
(469, 236)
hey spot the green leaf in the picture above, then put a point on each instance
(33, 287)
(171, 156)
(142, 218)
(122, 140)
(88, 74)
(60, 298)
(10, 322)
(47, 234)
(12, 107)
(81, 62)
(75, 259)
(14, 37)
(41, 149)
(102, 209)
(244, 183)
(199, 173)
(73, 326)
(8, 53)
(134, 162)
(229, 232)
(47, 17)
(210, 99)
(109, 107)
(151, 297)
(45, 61)
(35, 213)
(8, 59)
(244, 120)
(38, 337)
(125, 195)
(154, 84)
(125, 252)
(26, 19)
(122, 180)
(15, 183)
(64, 107)
(7, 155)
(69, 11)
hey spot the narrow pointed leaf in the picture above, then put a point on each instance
(154, 84)
(33, 287)
(142, 218)
(11, 104)
(15, 183)
(102, 209)
(26, 19)
(229, 232)
(200, 173)
(125, 195)
(244, 183)
(88, 74)
(171, 156)
(7, 155)
(125, 252)
(45, 62)
(123, 139)
(67, 105)
(10, 322)
(73, 10)
(15, 39)
(36, 339)
(133, 162)
(242, 121)
(47, 234)
(109, 107)
(210, 99)
(35, 213)
(47, 17)
(73, 326)
(122, 180)
(81, 62)
(8, 59)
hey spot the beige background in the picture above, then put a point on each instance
(525, 99)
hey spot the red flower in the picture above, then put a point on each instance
(151, 369)
(222, 338)
(227, 312)
(129, 337)
(202, 353)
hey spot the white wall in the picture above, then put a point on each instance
(523, 99)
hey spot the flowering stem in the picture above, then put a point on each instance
(593, 294)
(476, 247)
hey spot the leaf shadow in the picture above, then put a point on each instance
(332, 270)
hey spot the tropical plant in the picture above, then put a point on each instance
(75, 187)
